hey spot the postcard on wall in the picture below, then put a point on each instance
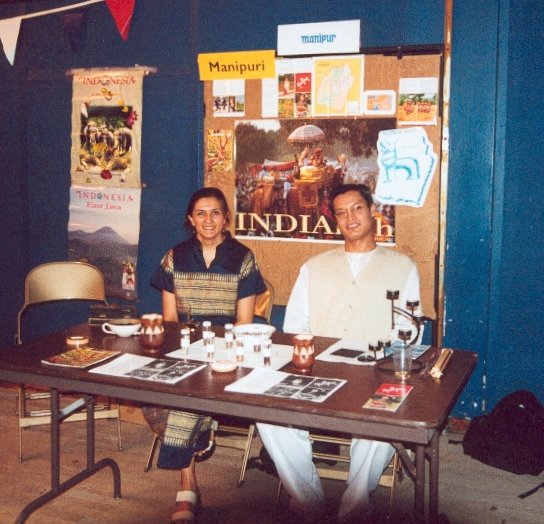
(165, 370)
(219, 145)
(407, 164)
(106, 127)
(388, 397)
(379, 102)
(285, 171)
(337, 87)
(288, 95)
(103, 229)
(229, 98)
(263, 381)
(418, 101)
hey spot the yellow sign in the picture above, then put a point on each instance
(237, 65)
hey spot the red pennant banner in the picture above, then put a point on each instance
(121, 11)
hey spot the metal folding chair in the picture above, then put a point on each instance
(52, 282)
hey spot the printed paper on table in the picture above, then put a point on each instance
(82, 357)
(264, 381)
(388, 397)
(164, 370)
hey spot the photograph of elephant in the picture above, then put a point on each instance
(286, 169)
(106, 145)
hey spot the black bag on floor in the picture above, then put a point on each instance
(511, 437)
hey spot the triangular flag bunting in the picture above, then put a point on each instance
(9, 33)
(75, 25)
(121, 11)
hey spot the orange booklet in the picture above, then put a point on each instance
(80, 357)
(388, 397)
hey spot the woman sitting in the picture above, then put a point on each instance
(216, 278)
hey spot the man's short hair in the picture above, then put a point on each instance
(362, 189)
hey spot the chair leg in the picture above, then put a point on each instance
(151, 453)
(20, 413)
(119, 436)
(396, 473)
(250, 434)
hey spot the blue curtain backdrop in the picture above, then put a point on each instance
(493, 284)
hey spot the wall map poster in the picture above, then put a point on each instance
(106, 127)
(286, 169)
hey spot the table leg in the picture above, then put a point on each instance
(419, 496)
(434, 453)
(57, 488)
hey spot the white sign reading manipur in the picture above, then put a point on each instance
(319, 38)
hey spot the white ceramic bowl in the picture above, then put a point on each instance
(122, 327)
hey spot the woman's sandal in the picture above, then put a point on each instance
(187, 506)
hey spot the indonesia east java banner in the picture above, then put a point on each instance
(106, 127)
(106, 190)
(103, 230)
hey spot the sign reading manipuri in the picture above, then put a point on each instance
(237, 65)
(319, 38)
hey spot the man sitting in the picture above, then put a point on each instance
(342, 293)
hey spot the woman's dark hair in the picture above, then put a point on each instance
(363, 190)
(207, 192)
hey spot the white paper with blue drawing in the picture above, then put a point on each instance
(407, 164)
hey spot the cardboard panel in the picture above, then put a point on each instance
(416, 229)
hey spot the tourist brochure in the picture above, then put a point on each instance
(165, 370)
(388, 397)
(272, 383)
(82, 357)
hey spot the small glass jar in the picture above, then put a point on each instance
(209, 343)
(185, 341)
(267, 351)
(229, 336)
(240, 349)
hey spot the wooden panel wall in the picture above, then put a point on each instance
(416, 229)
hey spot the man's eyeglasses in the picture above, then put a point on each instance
(357, 210)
